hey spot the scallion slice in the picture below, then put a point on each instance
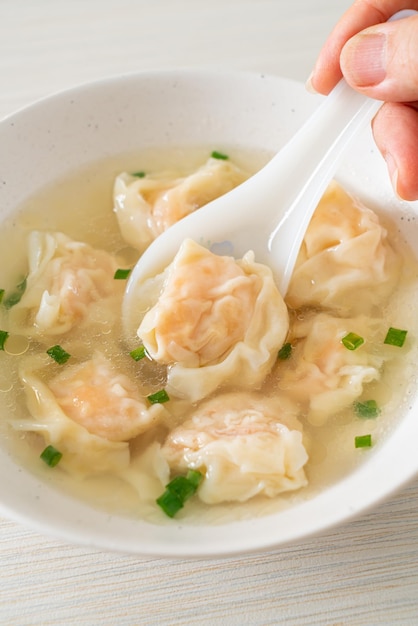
(285, 351)
(395, 337)
(195, 477)
(178, 491)
(352, 341)
(366, 409)
(12, 299)
(219, 155)
(138, 353)
(122, 274)
(170, 503)
(140, 174)
(59, 355)
(159, 397)
(1, 295)
(363, 441)
(3, 337)
(182, 488)
(51, 456)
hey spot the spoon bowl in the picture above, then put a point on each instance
(276, 203)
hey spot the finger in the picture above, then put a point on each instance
(361, 15)
(382, 61)
(395, 130)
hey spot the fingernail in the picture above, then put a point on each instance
(393, 171)
(363, 59)
(309, 86)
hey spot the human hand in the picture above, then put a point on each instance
(380, 59)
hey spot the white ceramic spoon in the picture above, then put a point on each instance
(269, 213)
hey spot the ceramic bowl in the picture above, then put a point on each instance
(67, 131)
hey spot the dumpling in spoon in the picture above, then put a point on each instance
(214, 321)
(145, 207)
(344, 253)
(245, 445)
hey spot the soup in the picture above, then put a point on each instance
(263, 400)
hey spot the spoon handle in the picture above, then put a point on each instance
(268, 213)
(312, 156)
(325, 137)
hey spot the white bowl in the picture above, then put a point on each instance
(57, 136)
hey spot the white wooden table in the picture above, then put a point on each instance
(363, 573)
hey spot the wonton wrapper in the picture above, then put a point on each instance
(83, 453)
(346, 262)
(322, 372)
(65, 278)
(217, 322)
(148, 473)
(244, 444)
(145, 207)
(104, 401)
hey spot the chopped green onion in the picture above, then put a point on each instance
(121, 274)
(138, 353)
(285, 351)
(139, 174)
(51, 456)
(219, 155)
(158, 397)
(16, 296)
(170, 503)
(366, 409)
(3, 336)
(182, 488)
(1, 295)
(395, 337)
(195, 477)
(352, 341)
(178, 490)
(58, 354)
(363, 441)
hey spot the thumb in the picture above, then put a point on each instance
(382, 61)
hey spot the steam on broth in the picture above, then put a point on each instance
(263, 397)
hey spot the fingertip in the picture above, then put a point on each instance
(395, 129)
(309, 84)
(321, 83)
(405, 189)
(382, 62)
(363, 60)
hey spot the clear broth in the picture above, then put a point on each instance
(81, 207)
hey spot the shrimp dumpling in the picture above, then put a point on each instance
(104, 401)
(322, 373)
(84, 453)
(145, 207)
(346, 262)
(244, 444)
(216, 322)
(65, 278)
